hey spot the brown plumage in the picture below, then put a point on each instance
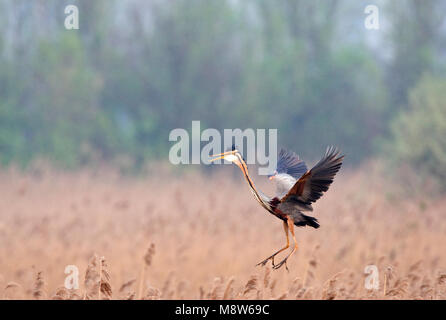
(290, 205)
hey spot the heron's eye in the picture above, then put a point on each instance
(233, 148)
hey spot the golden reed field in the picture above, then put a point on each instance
(200, 237)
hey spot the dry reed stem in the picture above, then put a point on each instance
(92, 279)
(39, 284)
(148, 256)
(105, 289)
(228, 294)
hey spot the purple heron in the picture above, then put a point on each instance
(297, 189)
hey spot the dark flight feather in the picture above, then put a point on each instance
(290, 163)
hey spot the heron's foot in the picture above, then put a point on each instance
(280, 264)
(262, 263)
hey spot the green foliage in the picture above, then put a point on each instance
(64, 106)
(420, 131)
(114, 89)
(12, 120)
(416, 29)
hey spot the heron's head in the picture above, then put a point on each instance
(272, 176)
(233, 155)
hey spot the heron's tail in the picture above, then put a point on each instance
(308, 221)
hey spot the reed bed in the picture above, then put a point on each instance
(200, 237)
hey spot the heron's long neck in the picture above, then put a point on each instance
(259, 195)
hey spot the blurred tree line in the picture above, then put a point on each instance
(135, 70)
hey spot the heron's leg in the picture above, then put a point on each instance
(290, 223)
(285, 228)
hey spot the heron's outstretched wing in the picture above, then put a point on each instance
(310, 187)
